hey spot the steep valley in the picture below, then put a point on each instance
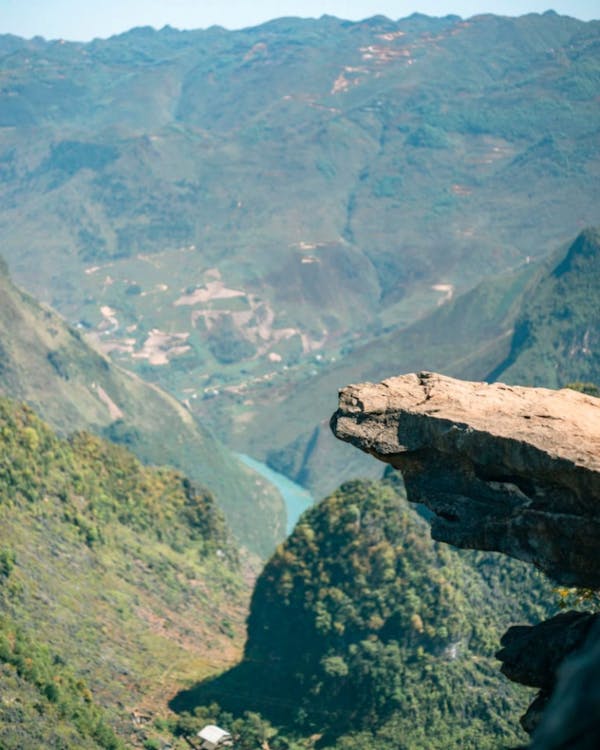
(49, 365)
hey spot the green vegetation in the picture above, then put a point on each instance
(119, 583)
(112, 484)
(44, 704)
(363, 629)
(557, 333)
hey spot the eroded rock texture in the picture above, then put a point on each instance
(504, 468)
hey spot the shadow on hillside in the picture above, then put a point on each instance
(242, 688)
(250, 687)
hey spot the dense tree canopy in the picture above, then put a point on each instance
(363, 628)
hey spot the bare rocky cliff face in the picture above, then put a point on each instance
(511, 469)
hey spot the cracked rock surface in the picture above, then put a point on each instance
(504, 468)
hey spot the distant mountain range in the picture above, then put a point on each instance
(225, 212)
(231, 226)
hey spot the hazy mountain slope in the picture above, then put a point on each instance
(557, 334)
(360, 623)
(537, 326)
(216, 206)
(47, 364)
(123, 573)
(465, 337)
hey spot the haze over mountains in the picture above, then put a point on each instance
(537, 326)
(224, 211)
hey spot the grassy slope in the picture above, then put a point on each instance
(116, 574)
(47, 364)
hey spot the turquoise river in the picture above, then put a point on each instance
(296, 498)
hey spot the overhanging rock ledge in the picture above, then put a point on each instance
(504, 468)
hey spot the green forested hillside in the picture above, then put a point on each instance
(556, 338)
(118, 584)
(48, 364)
(43, 704)
(363, 629)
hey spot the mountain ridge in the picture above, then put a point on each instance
(557, 333)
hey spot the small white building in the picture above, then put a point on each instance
(214, 737)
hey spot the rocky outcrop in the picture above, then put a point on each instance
(504, 468)
(516, 470)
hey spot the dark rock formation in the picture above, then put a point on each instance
(511, 469)
(571, 720)
(515, 470)
(532, 655)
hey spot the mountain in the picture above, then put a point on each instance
(48, 364)
(535, 326)
(363, 631)
(118, 584)
(557, 332)
(228, 211)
